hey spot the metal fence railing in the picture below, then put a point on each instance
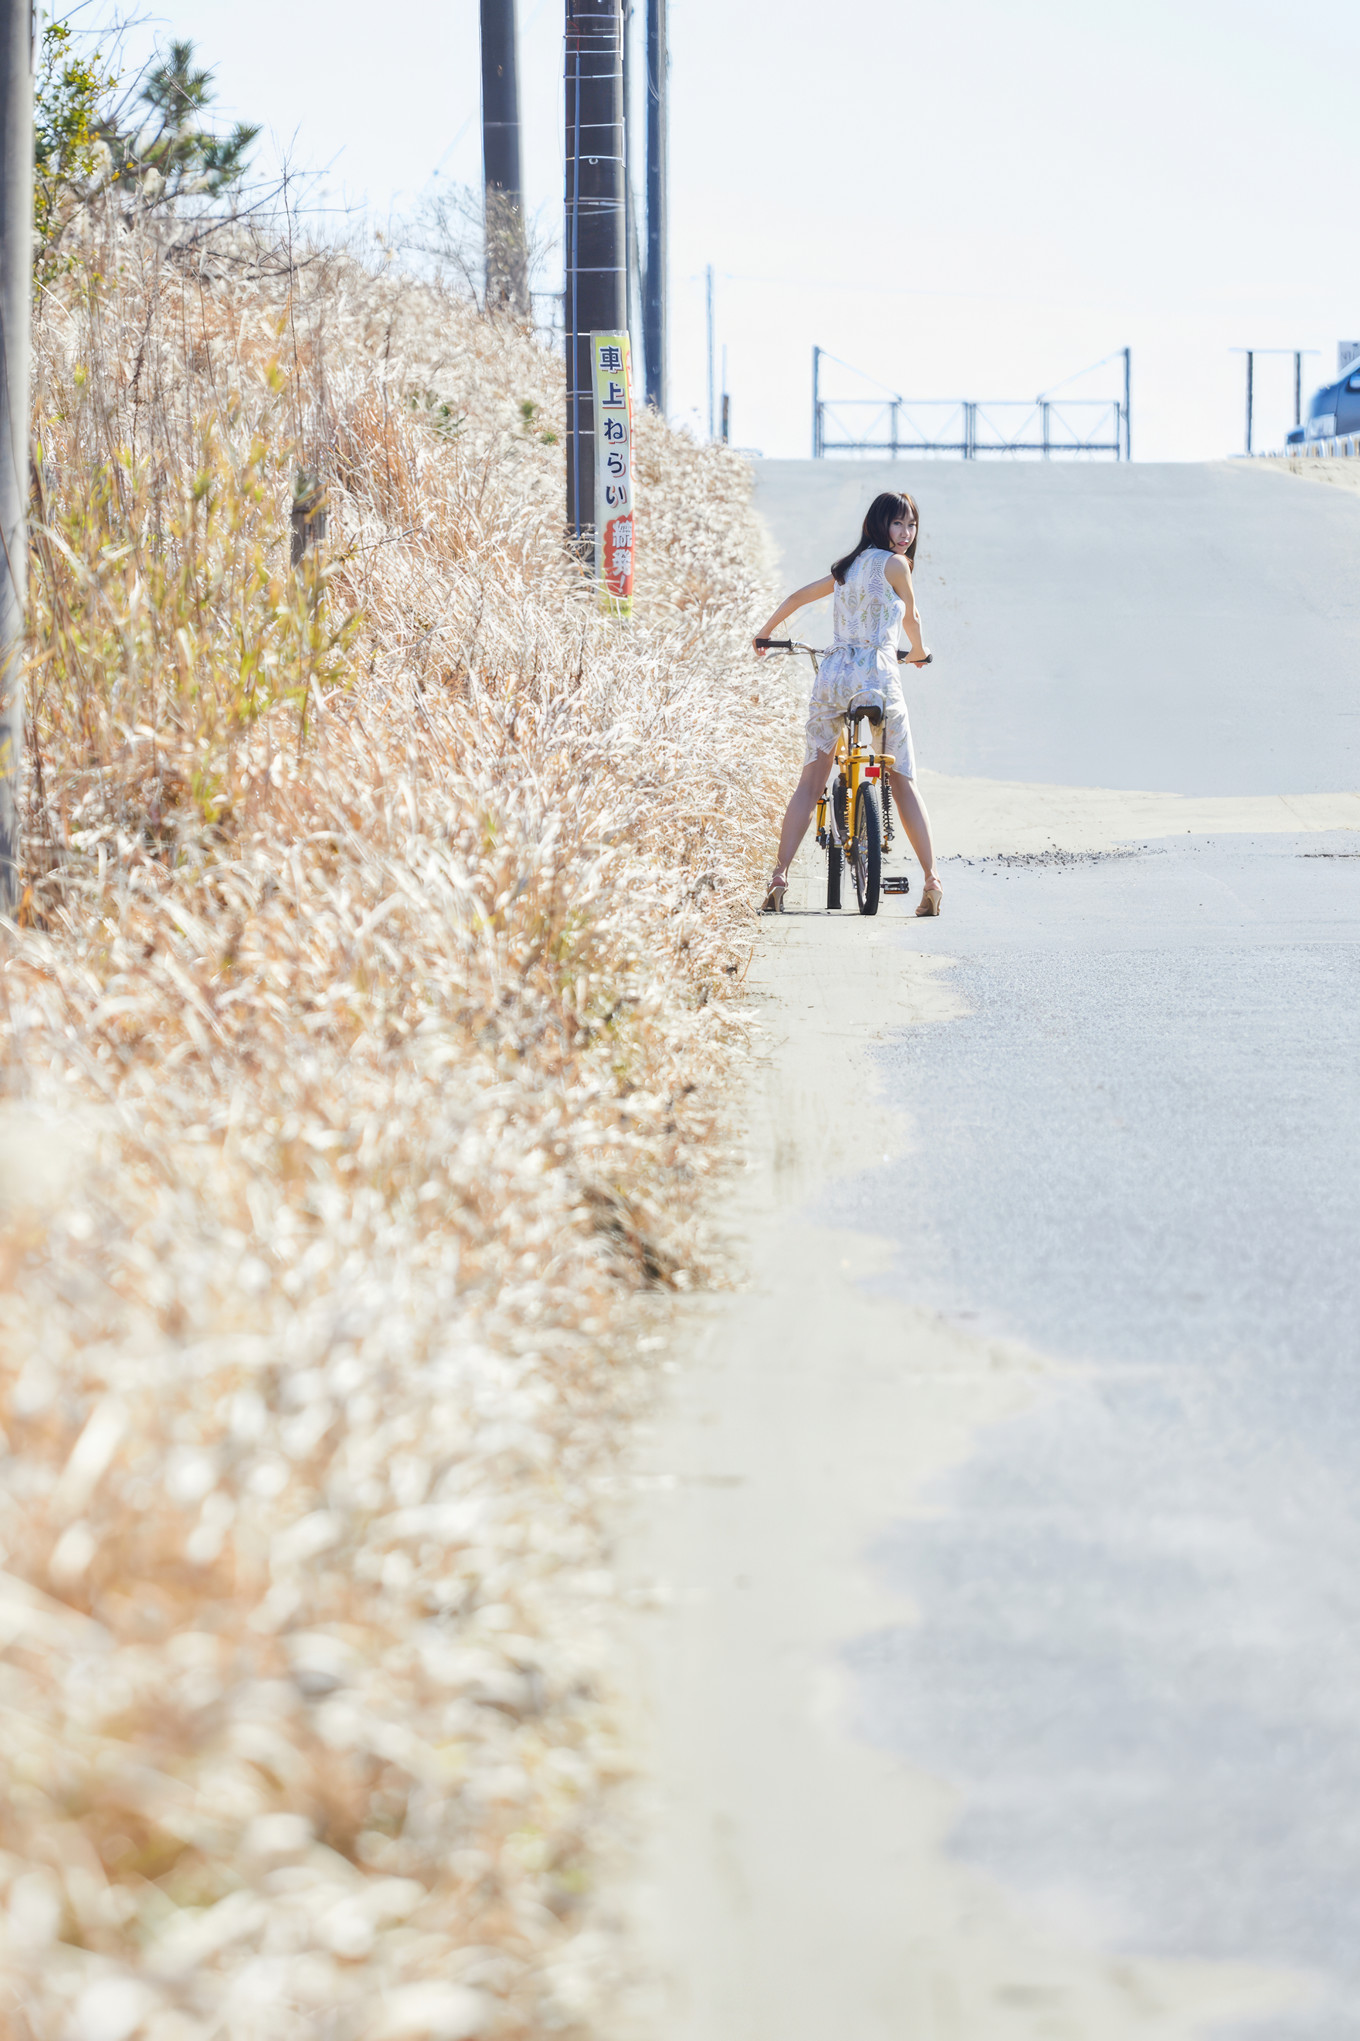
(1345, 447)
(1044, 430)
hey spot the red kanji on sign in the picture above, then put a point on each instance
(618, 555)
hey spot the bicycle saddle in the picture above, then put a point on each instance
(871, 711)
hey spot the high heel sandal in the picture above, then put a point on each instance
(931, 897)
(773, 902)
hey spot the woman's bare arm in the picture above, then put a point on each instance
(898, 574)
(800, 598)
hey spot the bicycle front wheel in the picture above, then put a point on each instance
(867, 849)
(834, 860)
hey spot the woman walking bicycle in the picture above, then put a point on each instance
(874, 598)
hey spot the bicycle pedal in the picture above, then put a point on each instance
(898, 884)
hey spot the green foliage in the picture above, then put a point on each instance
(67, 118)
(529, 411)
(160, 600)
(173, 144)
(447, 422)
(88, 140)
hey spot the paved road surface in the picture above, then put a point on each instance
(1011, 1519)
(1193, 628)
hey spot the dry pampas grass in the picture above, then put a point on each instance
(364, 1053)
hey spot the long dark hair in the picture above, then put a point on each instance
(882, 513)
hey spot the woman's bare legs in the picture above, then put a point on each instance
(916, 822)
(803, 806)
(800, 811)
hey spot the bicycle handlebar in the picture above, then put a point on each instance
(788, 645)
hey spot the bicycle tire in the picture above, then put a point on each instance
(867, 858)
(835, 860)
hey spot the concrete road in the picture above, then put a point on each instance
(1192, 628)
(1007, 1523)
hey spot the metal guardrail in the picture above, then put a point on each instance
(1347, 447)
(896, 425)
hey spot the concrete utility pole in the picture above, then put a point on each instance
(507, 255)
(654, 290)
(16, 270)
(595, 237)
(1128, 381)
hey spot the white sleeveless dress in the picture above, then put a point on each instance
(862, 664)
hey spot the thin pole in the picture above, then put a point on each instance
(725, 424)
(816, 404)
(595, 236)
(1298, 387)
(709, 277)
(654, 313)
(16, 264)
(1250, 354)
(507, 265)
(1128, 377)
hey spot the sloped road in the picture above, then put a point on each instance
(1007, 1523)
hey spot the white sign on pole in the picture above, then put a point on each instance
(615, 523)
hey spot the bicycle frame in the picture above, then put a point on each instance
(858, 832)
(855, 760)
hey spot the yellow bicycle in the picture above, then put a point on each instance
(854, 809)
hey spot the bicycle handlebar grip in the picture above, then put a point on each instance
(903, 657)
(775, 644)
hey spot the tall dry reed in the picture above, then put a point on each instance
(364, 1052)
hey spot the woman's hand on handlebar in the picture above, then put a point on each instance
(923, 660)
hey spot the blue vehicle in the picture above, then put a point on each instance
(1333, 412)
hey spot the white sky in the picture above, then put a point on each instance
(964, 198)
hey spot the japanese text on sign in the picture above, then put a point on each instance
(614, 499)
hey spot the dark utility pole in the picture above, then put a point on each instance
(595, 236)
(633, 288)
(507, 262)
(16, 266)
(654, 291)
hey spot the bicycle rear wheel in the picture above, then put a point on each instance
(867, 850)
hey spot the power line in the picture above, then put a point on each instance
(1104, 362)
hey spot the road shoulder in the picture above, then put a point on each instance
(797, 1881)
